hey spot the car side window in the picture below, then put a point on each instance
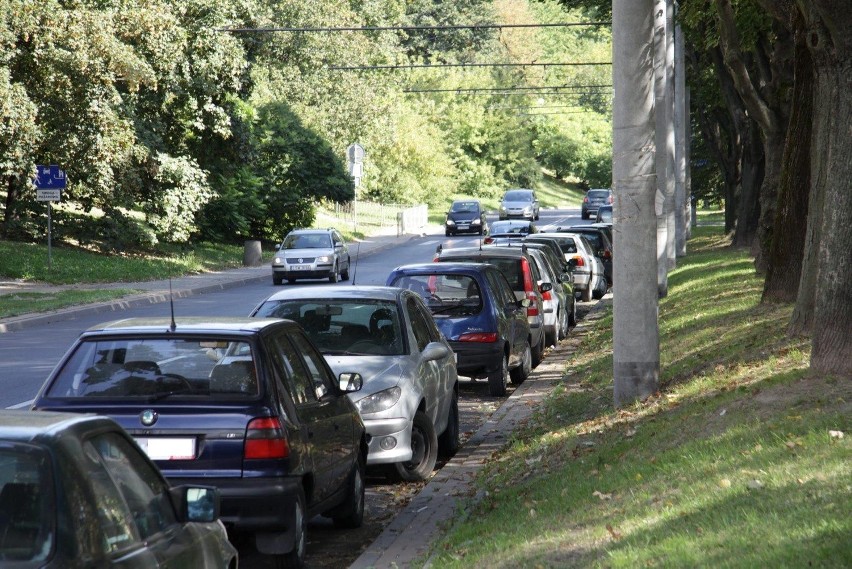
(144, 492)
(432, 328)
(314, 362)
(501, 288)
(418, 324)
(297, 381)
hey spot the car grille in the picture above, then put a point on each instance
(300, 260)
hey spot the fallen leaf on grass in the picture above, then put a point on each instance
(602, 496)
(755, 484)
(835, 434)
(630, 433)
(725, 483)
(615, 534)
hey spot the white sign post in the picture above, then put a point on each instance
(355, 159)
(49, 182)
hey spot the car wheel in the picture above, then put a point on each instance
(572, 317)
(344, 274)
(277, 280)
(424, 446)
(562, 330)
(551, 336)
(448, 442)
(335, 275)
(520, 373)
(586, 294)
(351, 512)
(498, 379)
(537, 353)
(584, 215)
(291, 281)
(295, 559)
(600, 290)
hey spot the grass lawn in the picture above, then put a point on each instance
(19, 303)
(737, 462)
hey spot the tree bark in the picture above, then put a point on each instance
(788, 244)
(829, 39)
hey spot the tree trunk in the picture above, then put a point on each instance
(829, 24)
(748, 213)
(784, 267)
(11, 204)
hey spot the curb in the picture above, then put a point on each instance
(411, 535)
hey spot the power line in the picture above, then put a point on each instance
(410, 28)
(515, 88)
(442, 65)
(523, 93)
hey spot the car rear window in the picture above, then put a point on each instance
(446, 295)
(27, 521)
(154, 368)
(339, 326)
(597, 193)
(509, 266)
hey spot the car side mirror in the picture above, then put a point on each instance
(544, 287)
(278, 246)
(435, 351)
(196, 503)
(350, 382)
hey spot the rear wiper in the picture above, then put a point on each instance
(450, 307)
(167, 394)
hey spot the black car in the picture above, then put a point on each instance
(593, 200)
(465, 216)
(247, 405)
(599, 237)
(77, 492)
(604, 214)
(476, 309)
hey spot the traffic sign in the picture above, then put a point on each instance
(49, 178)
(43, 195)
(355, 153)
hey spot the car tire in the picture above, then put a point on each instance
(350, 514)
(295, 559)
(572, 317)
(586, 294)
(291, 281)
(520, 373)
(448, 442)
(498, 379)
(551, 337)
(344, 274)
(335, 275)
(537, 353)
(584, 215)
(277, 280)
(424, 444)
(600, 289)
(562, 329)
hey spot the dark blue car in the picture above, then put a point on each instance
(477, 311)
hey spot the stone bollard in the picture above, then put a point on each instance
(252, 256)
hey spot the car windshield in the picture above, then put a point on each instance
(464, 207)
(446, 295)
(155, 368)
(598, 194)
(504, 227)
(307, 241)
(27, 518)
(517, 196)
(344, 326)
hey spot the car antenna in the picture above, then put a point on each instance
(357, 256)
(172, 305)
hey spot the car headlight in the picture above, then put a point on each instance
(476, 222)
(380, 401)
(277, 261)
(324, 259)
(528, 209)
(502, 207)
(450, 222)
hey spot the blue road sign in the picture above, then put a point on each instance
(49, 177)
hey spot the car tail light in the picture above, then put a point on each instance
(586, 199)
(607, 254)
(265, 438)
(481, 337)
(488, 241)
(609, 199)
(532, 309)
(581, 262)
(546, 295)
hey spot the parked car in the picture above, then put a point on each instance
(465, 216)
(476, 309)
(247, 405)
(560, 308)
(601, 240)
(509, 230)
(409, 400)
(593, 199)
(588, 271)
(604, 214)
(519, 203)
(76, 491)
(311, 254)
(523, 274)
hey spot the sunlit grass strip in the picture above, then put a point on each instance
(19, 303)
(732, 465)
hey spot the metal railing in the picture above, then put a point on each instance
(370, 215)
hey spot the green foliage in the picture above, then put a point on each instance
(182, 190)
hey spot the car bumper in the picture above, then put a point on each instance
(315, 272)
(475, 358)
(517, 215)
(396, 431)
(581, 281)
(254, 504)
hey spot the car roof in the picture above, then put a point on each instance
(338, 292)
(190, 324)
(311, 230)
(459, 267)
(24, 426)
(485, 251)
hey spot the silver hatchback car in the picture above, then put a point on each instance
(519, 203)
(409, 398)
(311, 254)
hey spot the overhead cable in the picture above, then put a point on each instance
(411, 28)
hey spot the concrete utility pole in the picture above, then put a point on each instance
(664, 140)
(636, 342)
(681, 112)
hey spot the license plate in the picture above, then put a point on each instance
(300, 267)
(464, 226)
(162, 448)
